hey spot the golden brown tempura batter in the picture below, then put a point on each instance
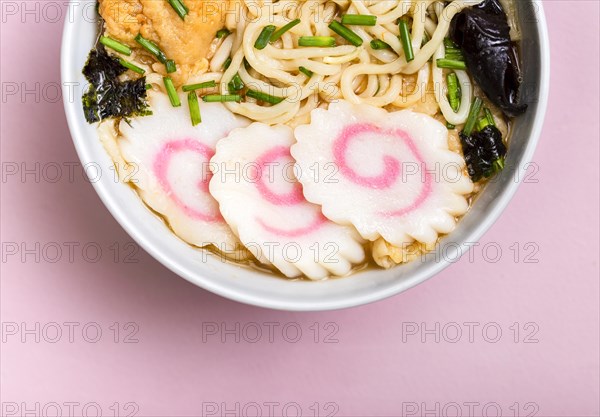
(187, 42)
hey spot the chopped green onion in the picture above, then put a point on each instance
(455, 57)
(173, 96)
(193, 87)
(451, 64)
(359, 19)
(346, 33)
(148, 86)
(319, 41)
(425, 39)
(499, 164)
(490, 116)
(223, 33)
(179, 8)
(171, 67)
(306, 71)
(280, 32)
(379, 44)
(449, 43)
(406, 40)
(453, 52)
(227, 63)
(115, 45)
(152, 48)
(194, 108)
(132, 67)
(217, 98)
(236, 83)
(482, 123)
(453, 91)
(473, 115)
(487, 119)
(450, 126)
(264, 37)
(264, 97)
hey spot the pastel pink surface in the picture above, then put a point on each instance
(373, 365)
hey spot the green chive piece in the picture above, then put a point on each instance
(148, 86)
(217, 98)
(482, 123)
(319, 41)
(236, 84)
(359, 19)
(306, 72)
(281, 31)
(487, 119)
(173, 96)
(179, 8)
(489, 116)
(451, 64)
(379, 44)
(152, 48)
(132, 67)
(223, 33)
(171, 67)
(449, 43)
(453, 52)
(453, 91)
(115, 45)
(473, 115)
(425, 39)
(193, 87)
(194, 108)
(346, 33)
(499, 164)
(455, 57)
(264, 97)
(264, 37)
(227, 63)
(450, 126)
(406, 40)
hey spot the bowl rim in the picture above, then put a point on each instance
(375, 294)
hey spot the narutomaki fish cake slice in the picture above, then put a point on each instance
(262, 201)
(390, 175)
(170, 159)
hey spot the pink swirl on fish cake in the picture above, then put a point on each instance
(162, 163)
(393, 167)
(293, 198)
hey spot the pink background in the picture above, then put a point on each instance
(374, 364)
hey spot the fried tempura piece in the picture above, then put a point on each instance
(187, 42)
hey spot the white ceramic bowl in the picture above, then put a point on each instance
(260, 289)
